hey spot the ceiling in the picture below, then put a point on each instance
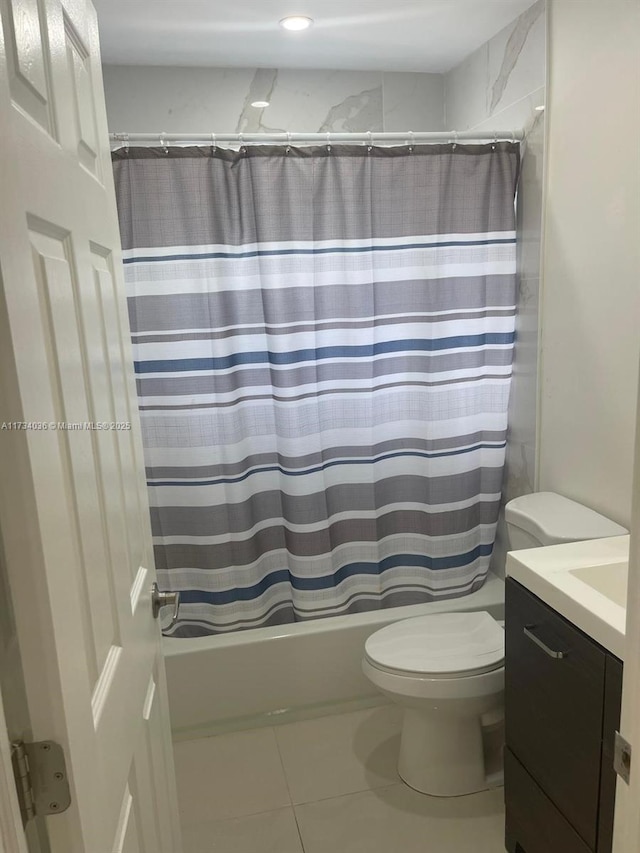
(386, 35)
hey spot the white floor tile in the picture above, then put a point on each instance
(229, 776)
(270, 832)
(399, 819)
(340, 754)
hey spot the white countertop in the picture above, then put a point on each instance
(584, 581)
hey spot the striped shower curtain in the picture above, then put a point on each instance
(323, 342)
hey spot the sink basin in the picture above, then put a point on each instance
(610, 581)
(586, 582)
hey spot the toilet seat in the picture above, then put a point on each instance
(441, 676)
(441, 646)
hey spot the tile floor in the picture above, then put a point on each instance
(327, 785)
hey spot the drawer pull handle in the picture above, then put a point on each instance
(551, 652)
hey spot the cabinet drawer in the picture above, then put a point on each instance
(534, 824)
(554, 706)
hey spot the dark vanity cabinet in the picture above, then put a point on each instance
(562, 705)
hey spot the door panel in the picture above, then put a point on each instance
(27, 48)
(127, 838)
(73, 503)
(79, 63)
(53, 259)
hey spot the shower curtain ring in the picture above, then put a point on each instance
(288, 151)
(125, 137)
(163, 142)
(495, 140)
(411, 141)
(243, 147)
(455, 140)
(329, 142)
(213, 144)
(370, 139)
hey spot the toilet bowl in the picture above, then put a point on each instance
(447, 672)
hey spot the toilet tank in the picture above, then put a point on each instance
(545, 518)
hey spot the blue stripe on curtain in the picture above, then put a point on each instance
(328, 582)
(320, 353)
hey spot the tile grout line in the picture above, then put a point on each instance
(385, 787)
(259, 811)
(387, 783)
(286, 781)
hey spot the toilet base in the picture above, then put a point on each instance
(444, 755)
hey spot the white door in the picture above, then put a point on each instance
(73, 506)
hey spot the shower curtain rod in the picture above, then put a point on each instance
(369, 138)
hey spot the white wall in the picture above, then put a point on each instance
(591, 258)
(202, 100)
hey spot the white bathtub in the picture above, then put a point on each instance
(269, 675)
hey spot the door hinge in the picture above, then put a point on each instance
(41, 778)
(622, 757)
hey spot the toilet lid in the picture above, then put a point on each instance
(443, 643)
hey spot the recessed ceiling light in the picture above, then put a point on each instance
(540, 108)
(260, 105)
(296, 22)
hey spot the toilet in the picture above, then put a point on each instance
(447, 669)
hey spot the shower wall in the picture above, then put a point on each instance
(199, 100)
(499, 86)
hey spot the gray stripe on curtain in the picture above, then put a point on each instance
(228, 308)
(312, 508)
(266, 195)
(315, 544)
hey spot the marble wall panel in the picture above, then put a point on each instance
(413, 101)
(507, 71)
(201, 100)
